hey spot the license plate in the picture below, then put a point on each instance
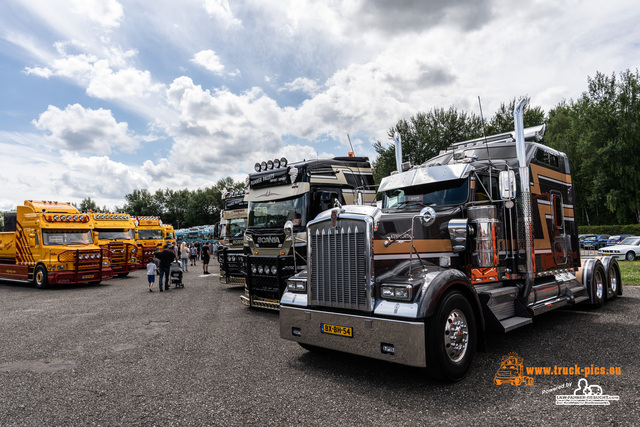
(87, 276)
(343, 331)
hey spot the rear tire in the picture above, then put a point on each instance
(40, 278)
(598, 286)
(451, 338)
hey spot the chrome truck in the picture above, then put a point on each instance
(233, 223)
(278, 193)
(482, 237)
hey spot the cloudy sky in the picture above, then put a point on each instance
(102, 97)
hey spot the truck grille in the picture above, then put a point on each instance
(339, 265)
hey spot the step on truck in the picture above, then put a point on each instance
(233, 223)
(115, 231)
(48, 243)
(481, 237)
(278, 193)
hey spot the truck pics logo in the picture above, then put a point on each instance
(511, 371)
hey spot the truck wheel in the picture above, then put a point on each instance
(123, 274)
(40, 277)
(630, 256)
(451, 338)
(598, 285)
(614, 282)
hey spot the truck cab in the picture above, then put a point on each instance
(116, 233)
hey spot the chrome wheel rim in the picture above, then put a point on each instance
(456, 335)
(599, 286)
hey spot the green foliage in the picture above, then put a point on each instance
(633, 229)
(423, 136)
(88, 205)
(630, 272)
(181, 208)
(600, 132)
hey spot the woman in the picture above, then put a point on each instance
(184, 255)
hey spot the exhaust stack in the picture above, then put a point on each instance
(526, 198)
(398, 142)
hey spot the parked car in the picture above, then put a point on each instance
(596, 242)
(617, 238)
(581, 238)
(628, 249)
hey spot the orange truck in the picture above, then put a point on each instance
(116, 232)
(49, 243)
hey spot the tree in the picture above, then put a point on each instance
(88, 205)
(503, 120)
(424, 135)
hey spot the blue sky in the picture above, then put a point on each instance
(102, 97)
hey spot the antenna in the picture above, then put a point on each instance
(352, 150)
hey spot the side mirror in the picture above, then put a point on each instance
(507, 182)
(288, 228)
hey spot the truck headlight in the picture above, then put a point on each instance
(299, 286)
(397, 292)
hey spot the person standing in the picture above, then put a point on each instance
(166, 257)
(184, 255)
(205, 258)
(194, 253)
(151, 273)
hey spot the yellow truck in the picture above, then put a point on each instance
(149, 237)
(49, 243)
(116, 232)
(169, 234)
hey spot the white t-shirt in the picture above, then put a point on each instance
(151, 268)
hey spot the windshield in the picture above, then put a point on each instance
(437, 194)
(149, 234)
(631, 241)
(52, 238)
(234, 228)
(115, 234)
(274, 213)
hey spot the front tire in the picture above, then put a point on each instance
(451, 338)
(630, 256)
(40, 277)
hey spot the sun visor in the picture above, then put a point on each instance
(425, 175)
(277, 193)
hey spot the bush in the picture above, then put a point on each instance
(610, 229)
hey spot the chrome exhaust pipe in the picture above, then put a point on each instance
(525, 188)
(398, 142)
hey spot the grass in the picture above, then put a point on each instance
(630, 272)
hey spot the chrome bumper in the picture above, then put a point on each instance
(372, 337)
(258, 303)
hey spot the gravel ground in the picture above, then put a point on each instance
(115, 354)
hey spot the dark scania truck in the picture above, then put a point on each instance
(233, 223)
(279, 193)
(481, 237)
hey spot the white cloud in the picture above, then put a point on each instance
(303, 84)
(107, 13)
(209, 60)
(221, 10)
(82, 129)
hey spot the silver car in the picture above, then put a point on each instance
(628, 249)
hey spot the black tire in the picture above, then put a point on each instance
(451, 338)
(40, 278)
(598, 285)
(630, 256)
(123, 274)
(614, 278)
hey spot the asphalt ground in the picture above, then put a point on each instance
(115, 354)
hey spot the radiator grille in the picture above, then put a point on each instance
(339, 263)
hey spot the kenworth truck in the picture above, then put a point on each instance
(233, 223)
(150, 236)
(48, 243)
(481, 237)
(277, 193)
(116, 232)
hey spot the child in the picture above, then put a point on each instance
(151, 273)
